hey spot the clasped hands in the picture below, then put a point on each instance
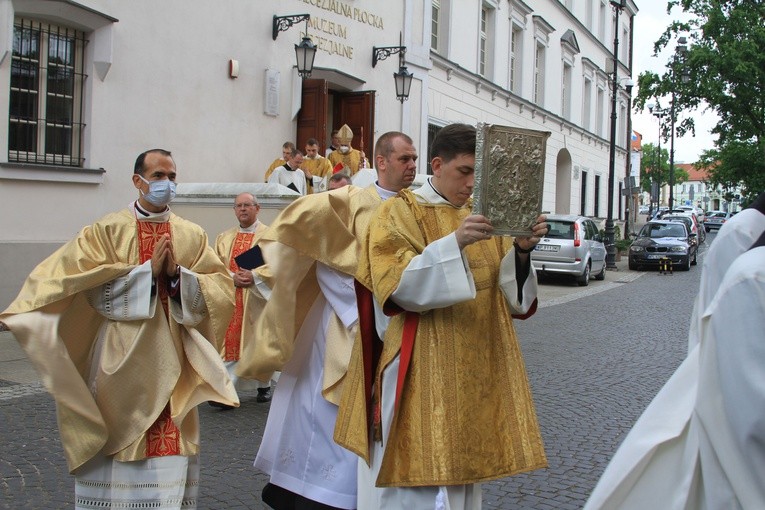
(163, 259)
(243, 278)
(477, 227)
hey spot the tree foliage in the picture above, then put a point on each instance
(725, 70)
(654, 165)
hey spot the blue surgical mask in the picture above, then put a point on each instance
(160, 193)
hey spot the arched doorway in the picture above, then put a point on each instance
(563, 182)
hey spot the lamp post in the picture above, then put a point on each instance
(628, 199)
(609, 230)
(657, 112)
(680, 50)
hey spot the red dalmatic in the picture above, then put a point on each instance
(242, 243)
(163, 437)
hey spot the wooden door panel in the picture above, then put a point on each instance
(312, 118)
(357, 110)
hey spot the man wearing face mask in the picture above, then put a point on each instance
(123, 324)
(347, 155)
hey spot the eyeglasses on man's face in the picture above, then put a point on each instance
(243, 206)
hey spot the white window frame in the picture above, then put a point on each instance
(435, 15)
(566, 85)
(486, 29)
(542, 31)
(515, 67)
(518, 14)
(587, 104)
(603, 15)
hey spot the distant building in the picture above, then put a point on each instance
(697, 192)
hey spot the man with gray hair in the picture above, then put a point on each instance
(229, 245)
(309, 325)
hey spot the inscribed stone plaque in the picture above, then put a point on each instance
(509, 177)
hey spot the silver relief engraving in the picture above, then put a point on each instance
(509, 177)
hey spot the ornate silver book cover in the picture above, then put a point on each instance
(509, 177)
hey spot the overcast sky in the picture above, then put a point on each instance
(652, 19)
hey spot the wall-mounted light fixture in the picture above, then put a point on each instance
(402, 78)
(305, 52)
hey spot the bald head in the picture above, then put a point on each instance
(246, 208)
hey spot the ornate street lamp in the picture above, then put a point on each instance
(609, 230)
(680, 51)
(657, 112)
(402, 78)
(305, 52)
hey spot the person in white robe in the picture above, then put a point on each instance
(734, 238)
(662, 461)
(290, 174)
(307, 468)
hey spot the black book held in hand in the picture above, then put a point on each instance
(250, 259)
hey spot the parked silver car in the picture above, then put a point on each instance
(715, 220)
(572, 246)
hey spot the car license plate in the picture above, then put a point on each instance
(655, 257)
(547, 247)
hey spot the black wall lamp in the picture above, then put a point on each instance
(305, 52)
(403, 78)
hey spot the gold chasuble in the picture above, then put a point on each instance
(465, 414)
(149, 374)
(352, 160)
(229, 245)
(273, 166)
(318, 167)
(326, 227)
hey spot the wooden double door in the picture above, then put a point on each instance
(324, 110)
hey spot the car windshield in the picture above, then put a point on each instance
(685, 219)
(560, 229)
(664, 230)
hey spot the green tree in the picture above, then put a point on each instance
(650, 170)
(725, 67)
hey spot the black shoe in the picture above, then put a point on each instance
(224, 407)
(264, 395)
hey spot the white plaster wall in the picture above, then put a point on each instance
(168, 86)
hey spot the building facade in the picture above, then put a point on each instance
(89, 84)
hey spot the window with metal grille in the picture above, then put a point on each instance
(45, 115)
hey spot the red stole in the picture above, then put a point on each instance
(233, 343)
(163, 437)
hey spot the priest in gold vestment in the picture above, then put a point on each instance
(316, 167)
(449, 404)
(346, 155)
(248, 303)
(308, 328)
(287, 148)
(122, 324)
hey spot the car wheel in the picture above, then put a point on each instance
(687, 264)
(602, 274)
(695, 254)
(707, 229)
(633, 266)
(584, 280)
